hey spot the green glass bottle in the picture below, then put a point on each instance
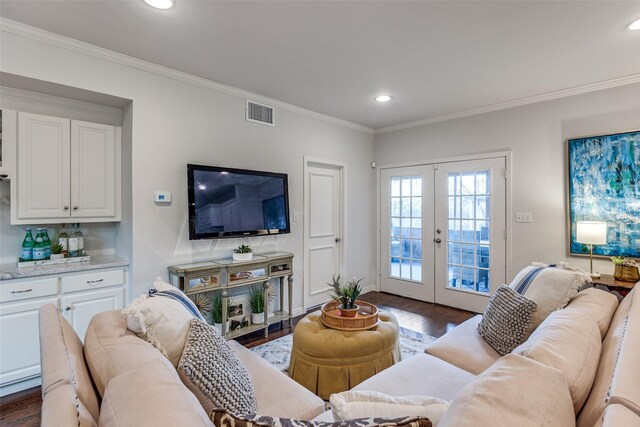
(47, 243)
(27, 246)
(39, 249)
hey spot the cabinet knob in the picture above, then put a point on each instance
(67, 308)
(75, 208)
(437, 240)
(66, 208)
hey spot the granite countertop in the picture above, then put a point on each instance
(11, 271)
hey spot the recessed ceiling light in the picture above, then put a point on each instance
(635, 25)
(382, 98)
(160, 4)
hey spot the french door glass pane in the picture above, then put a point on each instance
(469, 243)
(405, 208)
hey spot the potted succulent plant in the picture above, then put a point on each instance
(242, 253)
(56, 251)
(346, 294)
(626, 270)
(216, 312)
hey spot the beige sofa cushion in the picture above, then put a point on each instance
(291, 401)
(151, 395)
(570, 344)
(515, 391)
(596, 305)
(62, 359)
(625, 385)
(61, 407)
(593, 408)
(421, 374)
(464, 347)
(109, 348)
(619, 416)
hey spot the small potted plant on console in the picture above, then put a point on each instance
(242, 253)
(346, 294)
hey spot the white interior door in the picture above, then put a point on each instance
(406, 215)
(443, 231)
(470, 220)
(323, 230)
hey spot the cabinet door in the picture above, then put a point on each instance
(93, 170)
(43, 184)
(80, 307)
(20, 349)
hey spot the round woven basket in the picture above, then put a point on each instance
(366, 318)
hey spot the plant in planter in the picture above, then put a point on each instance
(346, 294)
(56, 251)
(626, 270)
(257, 303)
(216, 312)
(243, 253)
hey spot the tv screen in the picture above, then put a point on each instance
(225, 202)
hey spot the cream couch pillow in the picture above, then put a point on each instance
(163, 322)
(366, 404)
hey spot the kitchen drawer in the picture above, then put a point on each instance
(82, 282)
(15, 291)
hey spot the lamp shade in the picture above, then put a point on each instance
(591, 232)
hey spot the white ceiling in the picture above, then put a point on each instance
(333, 57)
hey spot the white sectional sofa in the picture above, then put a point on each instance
(580, 366)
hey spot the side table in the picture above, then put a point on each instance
(623, 288)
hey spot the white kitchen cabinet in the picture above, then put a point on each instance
(44, 160)
(80, 307)
(67, 171)
(79, 296)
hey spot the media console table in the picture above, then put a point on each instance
(223, 275)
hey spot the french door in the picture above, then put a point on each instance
(443, 231)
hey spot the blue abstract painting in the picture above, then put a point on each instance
(604, 185)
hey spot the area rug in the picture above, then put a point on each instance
(278, 351)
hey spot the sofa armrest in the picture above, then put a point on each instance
(277, 395)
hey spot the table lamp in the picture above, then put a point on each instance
(591, 233)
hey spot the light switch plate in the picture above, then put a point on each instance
(526, 217)
(162, 197)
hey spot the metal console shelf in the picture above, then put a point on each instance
(224, 274)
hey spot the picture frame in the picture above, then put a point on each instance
(239, 312)
(604, 185)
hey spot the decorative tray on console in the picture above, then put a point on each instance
(366, 318)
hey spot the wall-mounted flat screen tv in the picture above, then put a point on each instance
(225, 202)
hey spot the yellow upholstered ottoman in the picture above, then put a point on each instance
(326, 360)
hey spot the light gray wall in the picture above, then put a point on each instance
(536, 136)
(174, 123)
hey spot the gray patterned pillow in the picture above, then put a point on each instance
(505, 324)
(212, 371)
(221, 417)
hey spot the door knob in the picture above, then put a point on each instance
(338, 240)
(437, 240)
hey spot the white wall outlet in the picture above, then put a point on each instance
(296, 216)
(525, 217)
(162, 196)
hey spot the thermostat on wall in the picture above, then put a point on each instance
(162, 197)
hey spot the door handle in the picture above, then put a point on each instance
(338, 240)
(437, 240)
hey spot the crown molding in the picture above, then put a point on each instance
(37, 34)
(563, 93)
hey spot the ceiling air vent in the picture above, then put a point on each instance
(259, 113)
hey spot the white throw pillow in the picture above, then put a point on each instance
(550, 288)
(164, 322)
(366, 404)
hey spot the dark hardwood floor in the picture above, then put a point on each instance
(23, 408)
